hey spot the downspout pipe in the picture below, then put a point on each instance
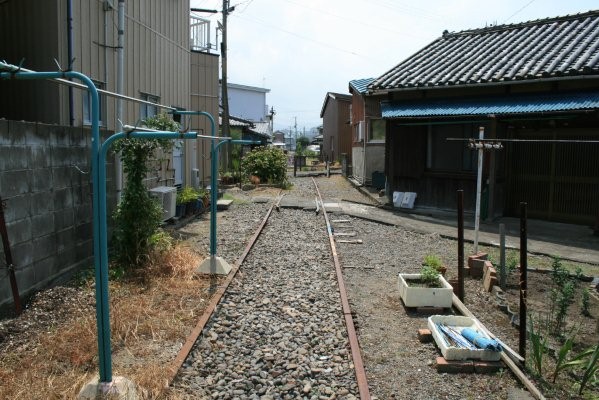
(70, 57)
(120, 84)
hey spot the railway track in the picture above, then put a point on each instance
(279, 326)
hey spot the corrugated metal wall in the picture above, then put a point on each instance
(204, 97)
(157, 55)
(28, 33)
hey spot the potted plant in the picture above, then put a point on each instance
(203, 200)
(426, 289)
(188, 197)
(434, 261)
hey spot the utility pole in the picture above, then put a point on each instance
(224, 91)
(272, 121)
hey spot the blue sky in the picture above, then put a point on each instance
(301, 49)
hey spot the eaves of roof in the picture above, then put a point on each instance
(560, 47)
(360, 85)
(498, 105)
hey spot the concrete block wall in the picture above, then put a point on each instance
(46, 186)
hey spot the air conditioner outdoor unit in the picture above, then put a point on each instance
(167, 196)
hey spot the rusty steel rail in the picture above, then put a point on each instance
(9, 262)
(216, 297)
(349, 322)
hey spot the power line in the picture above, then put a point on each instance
(260, 22)
(520, 9)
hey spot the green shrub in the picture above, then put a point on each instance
(429, 275)
(433, 260)
(138, 216)
(267, 163)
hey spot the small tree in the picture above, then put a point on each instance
(138, 216)
(267, 163)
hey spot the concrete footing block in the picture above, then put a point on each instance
(425, 335)
(213, 265)
(119, 388)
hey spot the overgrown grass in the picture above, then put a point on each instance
(152, 312)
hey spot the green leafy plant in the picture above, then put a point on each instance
(562, 294)
(560, 362)
(429, 275)
(590, 368)
(187, 195)
(586, 302)
(434, 261)
(267, 163)
(538, 345)
(138, 216)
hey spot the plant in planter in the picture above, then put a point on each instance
(188, 197)
(435, 262)
(426, 289)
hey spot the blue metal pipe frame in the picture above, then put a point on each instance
(213, 170)
(100, 239)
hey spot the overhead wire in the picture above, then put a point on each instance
(265, 24)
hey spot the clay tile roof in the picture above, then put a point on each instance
(552, 47)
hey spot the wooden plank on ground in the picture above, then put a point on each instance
(350, 241)
(344, 233)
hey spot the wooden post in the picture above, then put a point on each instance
(461, 245)
(523, 280)
(502, 272)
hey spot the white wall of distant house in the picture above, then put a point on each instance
(247, 103)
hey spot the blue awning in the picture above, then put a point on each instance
(513, 104)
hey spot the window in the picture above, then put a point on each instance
(451, 156)
(87, 106)
(377, 130)
(148, 110)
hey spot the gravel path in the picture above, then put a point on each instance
(278, 333)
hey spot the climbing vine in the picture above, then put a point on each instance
(138, 216)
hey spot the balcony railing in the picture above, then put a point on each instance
(200, 34)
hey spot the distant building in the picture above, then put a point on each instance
(337, 138)
(248, 102)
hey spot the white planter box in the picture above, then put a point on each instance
(455, 353)
(413, 296)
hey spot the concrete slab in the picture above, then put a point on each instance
(223, 204)
(518, 394)
(119, 389)
(213, 265)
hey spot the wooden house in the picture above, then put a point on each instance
(534, 85)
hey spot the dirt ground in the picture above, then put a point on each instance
(50, 351)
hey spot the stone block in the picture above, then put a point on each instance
(42, 224)
(63, 198)
(425, 335)
(84, 249)
(44, 269)
(42, 181)
(17, 207)
(44, 246)
(454, 366)
(22, 254)
(41, 157)
(476, 268)
(15, 183)
(487, 367)
(477, 256)
(19, 231)
(486, 266)
(25, 277)
(14, 157)
(39, 136)
(41, 204)
(83, 231)
(490, 279)
(17, 133)
(83, 213)
(61, 177)
(78, 137)
(64, 219)
(58, 135)
(60, 156)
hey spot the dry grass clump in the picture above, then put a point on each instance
(151, 316)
